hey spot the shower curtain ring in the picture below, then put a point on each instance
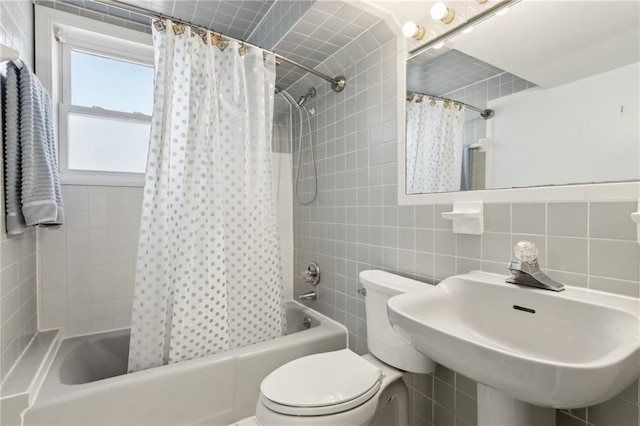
(160, 25)
(222, 44)
(178, 29)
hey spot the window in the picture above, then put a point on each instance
(106, 112)
(102, 82)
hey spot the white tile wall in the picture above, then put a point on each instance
(87, 266)
(282, 178)
(18, 311)
(16, 27)
(284, 199)
(18, 320)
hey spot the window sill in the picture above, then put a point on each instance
(102, 179)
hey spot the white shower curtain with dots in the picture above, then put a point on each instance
(435, 137)
(208, 275)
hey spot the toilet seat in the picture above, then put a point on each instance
(321, 384)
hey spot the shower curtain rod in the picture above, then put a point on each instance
(484, 113)
(337, 83)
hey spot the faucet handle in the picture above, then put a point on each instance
(311, 275)
(526, 251)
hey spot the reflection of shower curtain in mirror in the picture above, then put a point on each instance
(435, 134)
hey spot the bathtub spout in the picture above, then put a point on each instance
(310, 295)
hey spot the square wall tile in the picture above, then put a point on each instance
(469, 246)
(439, 222)
(626, 288)
(615, 259)
(496, 247)
(612, 220)
(567, 219)
(567, 254)
(528, 218)
(497, 217)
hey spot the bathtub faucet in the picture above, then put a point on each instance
(310, 295)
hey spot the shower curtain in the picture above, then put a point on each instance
(208, 275)
(435, 135)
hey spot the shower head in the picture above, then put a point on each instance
(310, 94)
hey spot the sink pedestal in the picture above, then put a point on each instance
(498, 408)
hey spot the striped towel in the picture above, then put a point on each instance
(32, 183)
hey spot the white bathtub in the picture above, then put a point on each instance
(86, 383)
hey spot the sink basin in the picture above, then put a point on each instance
(564, 350)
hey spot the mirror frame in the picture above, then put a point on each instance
(618, 191)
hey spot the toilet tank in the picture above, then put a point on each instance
(382, 341)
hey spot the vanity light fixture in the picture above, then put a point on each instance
(473, 20)
(411, 29)
(441, 12)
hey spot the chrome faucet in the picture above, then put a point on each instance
(311, 275)
(526, 270)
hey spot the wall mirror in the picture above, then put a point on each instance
(562, 78)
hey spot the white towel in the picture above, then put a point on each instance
(32, 184)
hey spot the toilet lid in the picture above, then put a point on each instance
(322, 380)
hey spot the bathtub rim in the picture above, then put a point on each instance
(51, 397)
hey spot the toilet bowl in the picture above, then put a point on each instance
(341, 387)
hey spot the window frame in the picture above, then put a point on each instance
(57, 35)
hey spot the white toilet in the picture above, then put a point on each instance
(341, 387)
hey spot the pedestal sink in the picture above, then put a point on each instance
(563, 350)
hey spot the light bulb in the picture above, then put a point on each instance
(438, 10)
(411, 29)
(441, 12)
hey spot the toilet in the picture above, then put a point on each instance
(341, 387)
